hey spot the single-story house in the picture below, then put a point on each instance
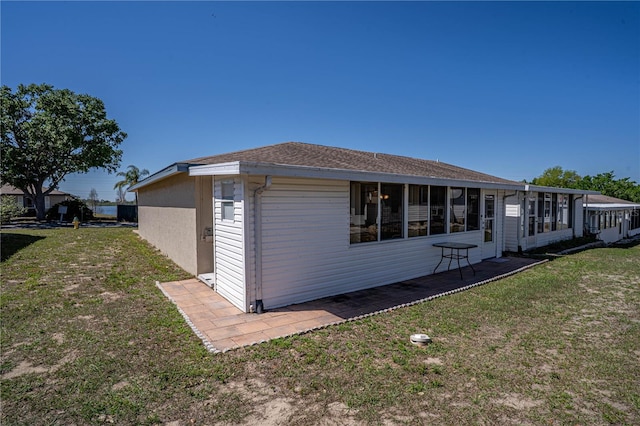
(537, 216)
(611, 219)
(293, 222)
(53, 198)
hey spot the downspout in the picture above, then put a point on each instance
(573, 228)
(504, 204)
(257, 229)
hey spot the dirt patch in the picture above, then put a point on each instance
(25, 367)
(517, 401)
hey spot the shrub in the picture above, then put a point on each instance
(10, 208)
(75, 208)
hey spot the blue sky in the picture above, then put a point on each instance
(505, 88)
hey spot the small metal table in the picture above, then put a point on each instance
(457, 255)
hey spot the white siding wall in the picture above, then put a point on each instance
(229, 268)
(516, 214)
(513, 214)
(307, 254)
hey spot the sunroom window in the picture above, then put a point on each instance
(364, 212)
(391, 202)
(418, 210)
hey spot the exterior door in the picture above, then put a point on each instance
(489, 235)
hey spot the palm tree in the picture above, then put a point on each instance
(130, 178)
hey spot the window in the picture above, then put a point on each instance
(554, 211)
(364, 212)
(456, 210)
(489, 215)
(464, 209)
(227, 194)
(531, 212)
(540, 212)
(391, 202)
(377, 211)
(547, 212)
(418, 210)
(473, 209)
(635, 219)
(437, 199)
(563, 212)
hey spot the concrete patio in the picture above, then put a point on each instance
(222, 326)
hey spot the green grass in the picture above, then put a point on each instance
(87, 338)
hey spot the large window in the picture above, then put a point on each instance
(377, 211)
(427, 210)
(418, 210)
(464, 209)
(364, 212)
(456, 210)
(437, 201)
(391, 202)
(554, 212)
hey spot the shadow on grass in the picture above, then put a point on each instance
(12, 243)
(627, 243)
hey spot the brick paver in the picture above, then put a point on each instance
(222, 326)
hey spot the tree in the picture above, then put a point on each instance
(131, 177)
(558, 178)
(93, 197)
(606, 184)
(121, 194)
(49, 133)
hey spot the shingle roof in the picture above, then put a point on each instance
(310, 155)
(11, 190)
(605, 199)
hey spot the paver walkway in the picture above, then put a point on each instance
(222, 326)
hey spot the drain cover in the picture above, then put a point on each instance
(420, 339)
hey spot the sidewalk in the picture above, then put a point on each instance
(222, 326)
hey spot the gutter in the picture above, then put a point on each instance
(257, 229)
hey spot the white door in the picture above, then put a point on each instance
(489, 235)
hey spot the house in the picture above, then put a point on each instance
(293, 222)
(611, 219)
(537, 216)
(53, 198)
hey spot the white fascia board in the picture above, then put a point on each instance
(250, 168)
(538, 188)
(172, 170)
(617, 206)
(220, 169)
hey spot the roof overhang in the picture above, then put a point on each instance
(538, 188)
(283, 170)
(165, 173)
(611, 206)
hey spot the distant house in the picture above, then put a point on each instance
(53, 198)
(611, 219)
(293, 222)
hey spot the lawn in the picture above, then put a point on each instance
(87, 338)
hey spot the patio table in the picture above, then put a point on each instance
(461, 252)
